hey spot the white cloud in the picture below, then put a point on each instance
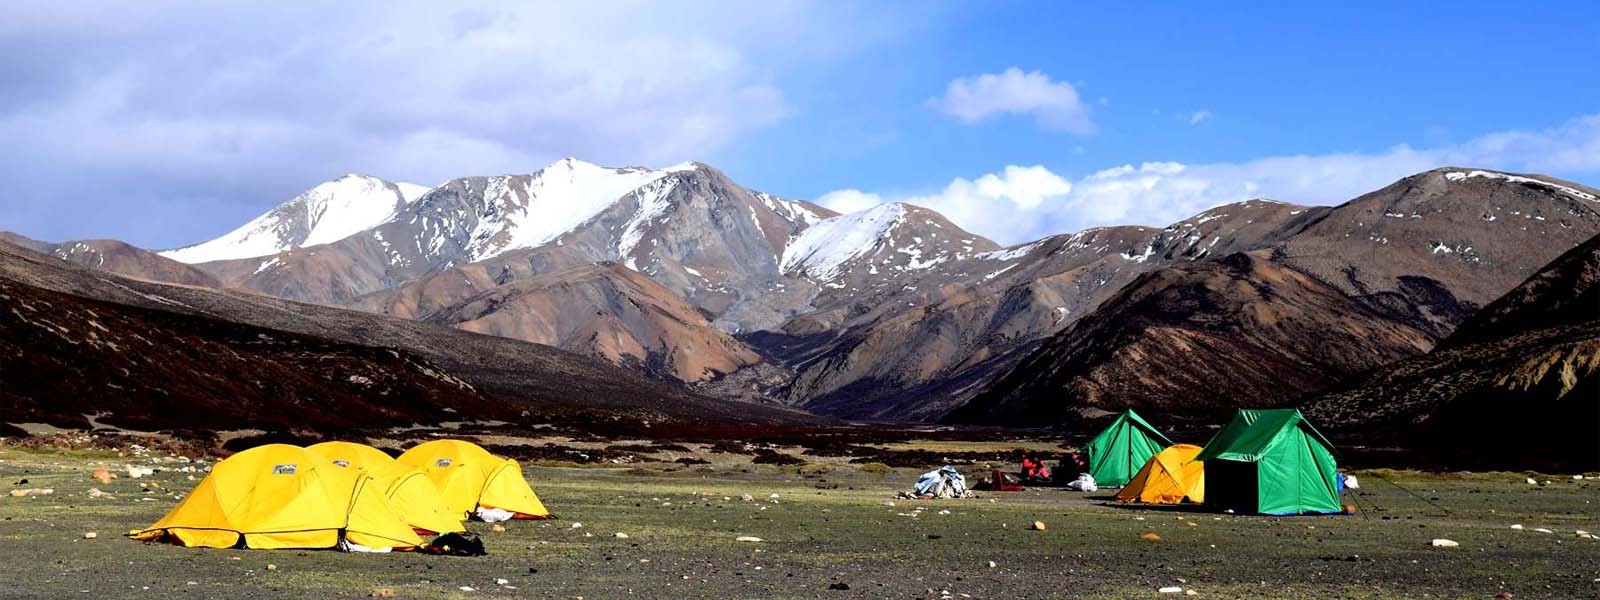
(1198, 116)
(186, 106)
(1054, 104)
(1025, 203)
(849, 201)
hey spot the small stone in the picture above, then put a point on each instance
(621, 535)
(467, 588)
(1150, 537)
(89, 535)
(1190, 593)
(576, 525)
(502, 581)
(497, 528)
(1517, 527)
(272, 567)
(382, 592)
(839, 586)
(1444, 543)
(1170, 590)
(747, 538)
(1037, 526)
(101, 475)
(1191, 524)
(991, 564)
(1532, 481)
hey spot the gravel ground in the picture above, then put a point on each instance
(832, 532)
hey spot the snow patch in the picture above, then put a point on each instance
(324, 214)
(822, 250)
(1459, 176)
(1011, 253)
(553, 201)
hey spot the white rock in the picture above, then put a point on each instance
(747, 538)
(468, 588)
(621, 535)
(502, 581)
(1171, 590)
(991, 564)
(576, 525)
(1444, 543)
(1517, 527)
(1532, 481)
(1543, 530)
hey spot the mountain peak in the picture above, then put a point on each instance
(328, 212)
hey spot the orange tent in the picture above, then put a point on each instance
(1170, 477)
(412, 494)
(470, 478)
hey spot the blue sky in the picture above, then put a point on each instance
(167, 123)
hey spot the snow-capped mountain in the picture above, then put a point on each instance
(327, 213)
(892, 312)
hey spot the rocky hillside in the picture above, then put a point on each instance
(323, 214)
(550, 385)
(930, 344)
(99, 363)
(1430, 249)
(120, 258)
(1380, 278)
(604, 310)
(889, 313)
(1199, 340)
(1524, 371)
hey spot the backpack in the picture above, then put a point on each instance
(464, 543)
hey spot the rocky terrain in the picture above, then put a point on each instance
(1524, 372)
(1327, 294)
(1199, 340)
(896, 313)
(536, 384)
(604, 309)
(89, 362)
(120, 258)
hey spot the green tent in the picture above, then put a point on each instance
(1122, 449)
(1271, 462)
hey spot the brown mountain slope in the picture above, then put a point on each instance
(1198, 340)
(120, 258)
(66, 359)
(551, 384)
(1422, 253)
(1432, 248)
(924, 349)
(603, 310)
(1524, 372)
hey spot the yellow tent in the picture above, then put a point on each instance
(408, 489)
(470, 477)
(1168, 478)
(281, 496)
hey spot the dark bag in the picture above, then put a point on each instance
(464, 543)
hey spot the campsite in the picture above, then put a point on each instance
(652, 525)
(931, 300)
